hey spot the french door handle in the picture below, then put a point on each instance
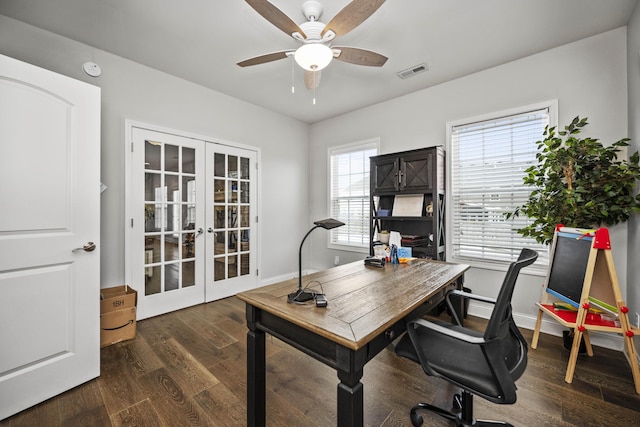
(200, 231)
(209, 230)
(87, 247)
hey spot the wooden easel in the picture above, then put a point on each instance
(600, 289)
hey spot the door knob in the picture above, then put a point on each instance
(88, 247)
(199, 231)
(209, 230)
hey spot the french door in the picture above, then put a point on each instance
(193, 221)
(231, 221)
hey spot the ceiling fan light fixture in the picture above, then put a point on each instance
(313, 56)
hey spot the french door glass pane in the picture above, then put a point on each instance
(152, 155)
(188, 160)
(171, 158)
(171, 279)
(219, 166)
(219, 193)
(244, 216)
(188, 274)
(188, 246)
(244, 168)
(153, 277)
(244, 264)
(233, 167)
(233, 266)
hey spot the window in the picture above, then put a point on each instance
(488, 159)
(349, 193)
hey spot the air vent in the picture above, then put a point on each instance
(409, 72)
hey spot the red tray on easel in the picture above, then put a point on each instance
(570, 316)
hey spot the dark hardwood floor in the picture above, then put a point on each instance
(188, 368)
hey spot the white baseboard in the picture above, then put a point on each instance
(286, 276)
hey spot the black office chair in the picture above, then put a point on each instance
(485, 364)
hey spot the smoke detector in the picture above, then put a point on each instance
(92, 69)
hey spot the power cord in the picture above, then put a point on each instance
(308, 288)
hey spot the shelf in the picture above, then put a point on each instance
(383, 193)
(403, 218)
(418, 173)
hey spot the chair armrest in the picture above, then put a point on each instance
(468, 295)
(471, 296)
(444, 331)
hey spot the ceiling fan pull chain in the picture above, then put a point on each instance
(293, 68)
(314, 87)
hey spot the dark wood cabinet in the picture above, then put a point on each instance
(407, 172)
(418, 175)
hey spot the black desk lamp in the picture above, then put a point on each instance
(300, 295)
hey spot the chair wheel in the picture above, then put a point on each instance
(457, 403)
(416, 419)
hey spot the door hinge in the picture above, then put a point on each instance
(256, 218)
(131, 222)
(257, 272)
(132, 147)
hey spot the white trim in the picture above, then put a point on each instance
(339, 149)
(552, 106)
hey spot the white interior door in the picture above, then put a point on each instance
(231, 221)
(50, 192)
(168, 221)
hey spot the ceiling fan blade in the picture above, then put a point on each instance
(352, 15)
(353, 55)
(265, 58)
(276, 17)
(312, 79)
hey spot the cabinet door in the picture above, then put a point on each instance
(385, 174)
(415, 172)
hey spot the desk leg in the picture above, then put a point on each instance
(350, 389)
(256, 373)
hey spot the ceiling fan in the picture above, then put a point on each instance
(316, 51)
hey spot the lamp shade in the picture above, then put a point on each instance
(329, 223)
(313, 56)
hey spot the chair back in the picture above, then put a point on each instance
(501, 315)
(504, 340)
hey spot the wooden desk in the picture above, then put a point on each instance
(367, 310)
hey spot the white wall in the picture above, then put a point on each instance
(587, 77)
(633, 71)
(133, 91)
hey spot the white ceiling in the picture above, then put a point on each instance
(202, 40)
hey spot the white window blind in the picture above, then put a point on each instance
(349, 198)
(488, 163)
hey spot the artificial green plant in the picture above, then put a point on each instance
(579, 183)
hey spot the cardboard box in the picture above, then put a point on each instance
(118, 325)
(117, 314)
(117, 298)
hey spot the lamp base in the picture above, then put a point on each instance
(301, 296)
